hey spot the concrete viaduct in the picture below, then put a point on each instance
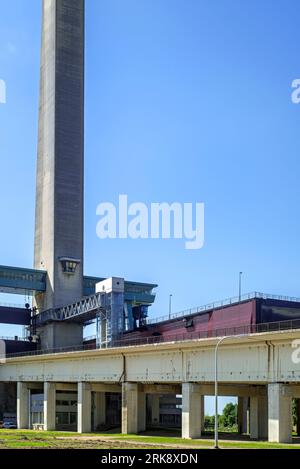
(258, 366)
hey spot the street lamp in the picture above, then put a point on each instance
(216, 382)
(170, 305)
(240, 286)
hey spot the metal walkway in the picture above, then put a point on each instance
(82, 312)
(17, 280)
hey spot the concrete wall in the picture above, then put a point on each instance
(57, 335)
(263, 358)
(59, 196)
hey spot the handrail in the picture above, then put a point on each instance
(279, 326)
(218, 304)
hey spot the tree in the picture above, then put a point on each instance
(229, 417)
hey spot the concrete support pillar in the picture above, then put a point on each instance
(49, 406)
(141, 411)
(84, 408)
(99, 410)
(130, 408)
(280, 413)
(155, 409)
(258, 417)
(254, 419)
(191, 411)
(243, 415)
(23, 406)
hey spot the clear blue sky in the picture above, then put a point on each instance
(187, 101)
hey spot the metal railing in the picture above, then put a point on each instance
(279, 326)
(218, 304)
(86, 305)
(15, 339)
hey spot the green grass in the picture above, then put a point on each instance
(26, 444)
(24, 439)
(209, 443)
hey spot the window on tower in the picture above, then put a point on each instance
(69, 265)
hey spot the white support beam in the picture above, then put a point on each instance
(49, 406)
(191, 411)
(23, 406)
(280, 413)
(84, 408)
(130, 423)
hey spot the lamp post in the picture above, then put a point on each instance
(240, 285)
(170, 305)
(222, 339)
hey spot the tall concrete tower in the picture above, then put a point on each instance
(59, 196)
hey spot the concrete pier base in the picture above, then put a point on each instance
(49, 406)
(130, 408)
(258, 417)
(84, 408)
(23, 397)
(191, 411)
(280, 413)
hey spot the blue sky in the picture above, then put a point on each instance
(186, 101)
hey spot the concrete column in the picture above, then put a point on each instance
(258, 417)
(254, 422)
(23, 397)
(191, 411)
(84, 408)
(130, 405)
(242, 415)
(280, 413)
(49, 406)
(99, 410)
(254, 417)
(155, 409)
(141, 411)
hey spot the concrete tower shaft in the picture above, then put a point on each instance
(60, 165)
